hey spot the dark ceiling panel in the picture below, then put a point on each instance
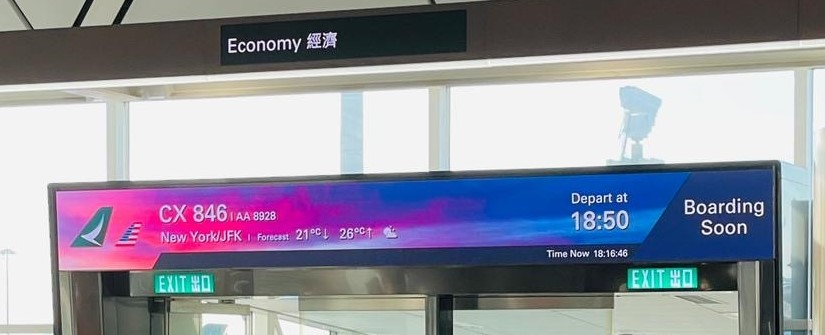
(495, 29)
(100, 53)
(576, 26)
(812, 19)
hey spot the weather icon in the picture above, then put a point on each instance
(389, 232)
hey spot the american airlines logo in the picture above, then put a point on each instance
(130, 236)
(94, 232)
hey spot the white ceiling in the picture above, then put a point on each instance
(50, 14)
(8, 19)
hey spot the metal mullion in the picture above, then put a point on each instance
(117, 140)
(439, 129)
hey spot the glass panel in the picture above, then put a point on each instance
(396, 131)
(40, 145)
(220, 324)
(676, 313)
(318, 315)
(237, 137)
(533, 322)
(796, 218)
(295, 328)
(730, 117)
(369, 322)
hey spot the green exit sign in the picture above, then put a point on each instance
(184, 283)
(662, 278)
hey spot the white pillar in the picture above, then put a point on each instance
(352, 132)
(803, 118)
(117, 140)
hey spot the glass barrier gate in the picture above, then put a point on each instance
(730, 299)
(713, 313)
(719, 308)
(688, 249)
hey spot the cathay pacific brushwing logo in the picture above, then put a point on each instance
(94, 232)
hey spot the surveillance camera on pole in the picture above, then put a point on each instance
(640, 109)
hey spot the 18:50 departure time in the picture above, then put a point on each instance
(606, 220)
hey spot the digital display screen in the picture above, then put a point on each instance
(662, 278)
(184, 283)
(650, 216)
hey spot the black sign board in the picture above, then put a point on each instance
(345, 38)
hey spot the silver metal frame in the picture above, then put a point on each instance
(418, 302)
(749, 297)
(560, 280)
(818, 238)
